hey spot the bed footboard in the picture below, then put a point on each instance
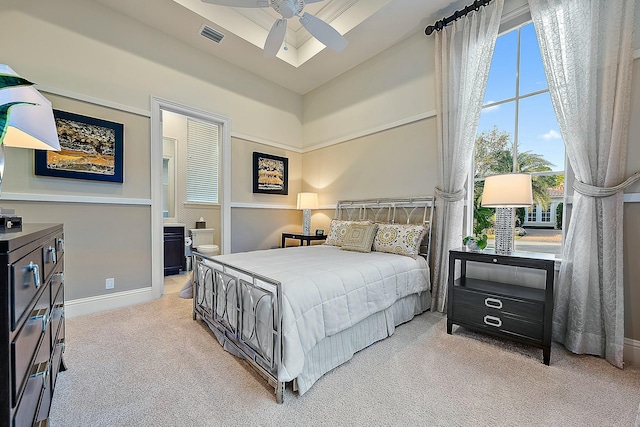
(244, 311)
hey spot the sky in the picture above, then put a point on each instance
(538, 130)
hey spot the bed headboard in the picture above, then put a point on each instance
(407, 210)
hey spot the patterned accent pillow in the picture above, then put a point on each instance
(359, 237)
(401, 239)
(338, 229)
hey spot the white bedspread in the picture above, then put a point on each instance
(327, 290)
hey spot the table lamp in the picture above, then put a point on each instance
(306, 202)
(26, 121)
(505, 192)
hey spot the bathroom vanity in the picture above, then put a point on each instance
(174, 258)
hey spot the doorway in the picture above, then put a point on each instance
(162, 108)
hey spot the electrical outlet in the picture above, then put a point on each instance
(110, 283)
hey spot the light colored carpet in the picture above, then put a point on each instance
(151, 365)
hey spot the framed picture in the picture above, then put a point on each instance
(270, 174)
(90, 149)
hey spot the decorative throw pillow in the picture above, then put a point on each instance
(401, 239)
(359, 237)
(338, 229)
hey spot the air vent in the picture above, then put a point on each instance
(211, 34)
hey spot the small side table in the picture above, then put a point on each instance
(302, 237)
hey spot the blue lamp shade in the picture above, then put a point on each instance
(29, 125)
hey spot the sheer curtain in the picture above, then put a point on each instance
(586, 48)
(463, 58)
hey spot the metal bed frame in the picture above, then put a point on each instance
(244, 309)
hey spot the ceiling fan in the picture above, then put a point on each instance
(319, 29)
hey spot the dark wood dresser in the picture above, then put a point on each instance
(32, 322)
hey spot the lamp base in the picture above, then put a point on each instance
(504, 230)
(306, 222)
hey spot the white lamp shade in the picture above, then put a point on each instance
(307, 201)
(28, 126)
(512, 190)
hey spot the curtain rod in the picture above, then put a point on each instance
(439, 25)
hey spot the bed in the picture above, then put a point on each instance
(296, 313)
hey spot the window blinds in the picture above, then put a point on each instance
(202, 161)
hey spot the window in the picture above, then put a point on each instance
(545, 215)
(518, 132)
(202, 162)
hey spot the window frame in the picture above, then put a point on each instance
(510, 22)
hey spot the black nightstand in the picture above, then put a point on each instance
(519, 313)
(302, 237)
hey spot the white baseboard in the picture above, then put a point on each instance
(631, 352)
(82, 306)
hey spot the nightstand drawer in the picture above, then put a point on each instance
(495, 321)
(26, 281)
(52, 251)
(533, 310)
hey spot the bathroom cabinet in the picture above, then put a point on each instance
(174, 258)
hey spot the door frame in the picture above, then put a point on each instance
(157, 250)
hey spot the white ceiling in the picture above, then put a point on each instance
(370, 26)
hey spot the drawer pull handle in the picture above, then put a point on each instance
(41, 370)
(60, 243)
(52, 250)
(36, 273)
(493, 303)
(43, 315)
(492, 321)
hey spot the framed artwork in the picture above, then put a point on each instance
(270, 174)
(90, 149)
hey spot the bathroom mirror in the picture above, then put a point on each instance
(169, 146)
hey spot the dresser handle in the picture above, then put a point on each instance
(493, 303)
(43, 315)
(60, 243)
(492, 321)
(41, 370)
(36, 273)
(52, 250)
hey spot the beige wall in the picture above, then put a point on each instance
(396, 85)
(398, 162)
(101, 241)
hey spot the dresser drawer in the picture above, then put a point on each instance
(496, 321)
(26, 280)
(532, 310)
(52, 252)
(58, 349)
(36, 331)
(57, 312)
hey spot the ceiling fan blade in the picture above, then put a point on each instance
(312, 1)
(239, 3)
(275, 38)
(324, 32)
